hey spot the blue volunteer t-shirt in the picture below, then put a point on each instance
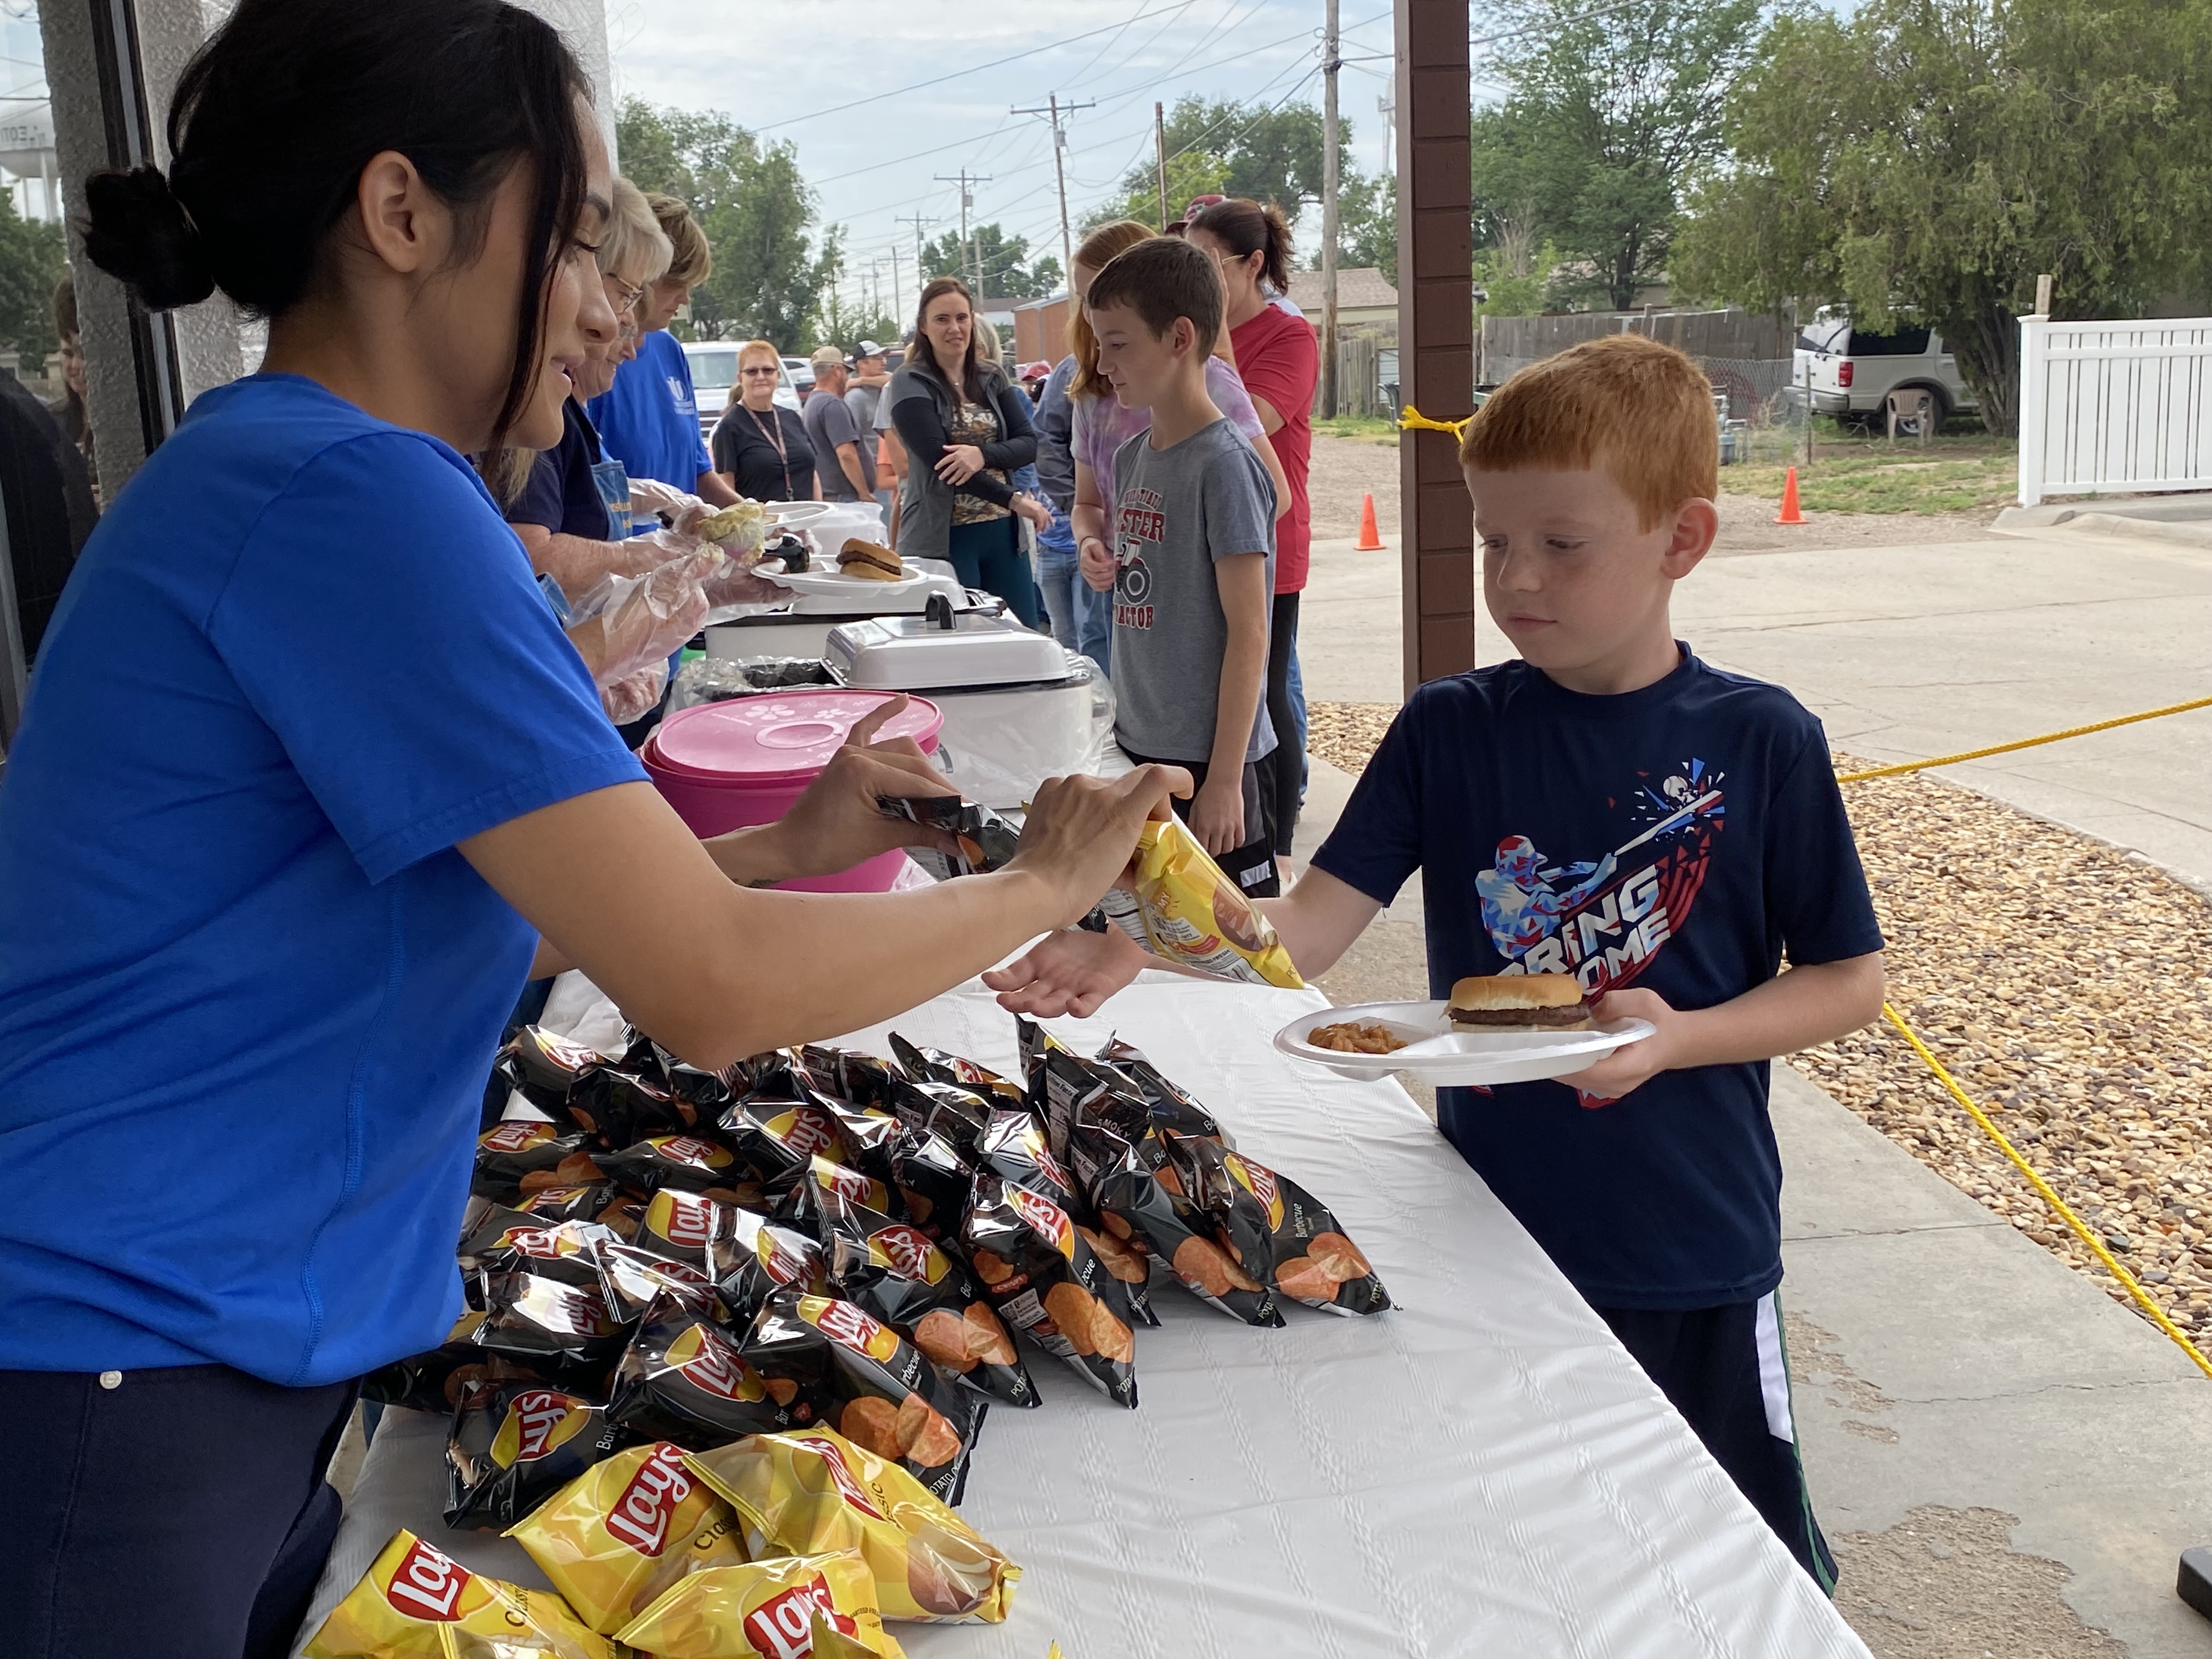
(1681, 839)
(249, 992)
(648, 420)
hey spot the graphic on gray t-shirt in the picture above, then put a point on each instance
(829, 423)
(1176, 510)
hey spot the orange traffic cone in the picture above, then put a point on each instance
(1789, 515)
(1370, 538)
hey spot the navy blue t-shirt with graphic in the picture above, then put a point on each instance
(1681, 838)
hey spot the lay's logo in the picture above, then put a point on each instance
(834, 1460)
(428, 1586)
(849, 1184)
(1046, 1217)
(691, 1150)
(909, 1252)
(544, 1243)
(782, 1626)
(515, 1136)
(842, 1322)
(1053, 1172)
(806, 1131)
(643, 1515)
(683, 1220)
(1260, 1183)
(706, 1360)
(538, 1423)
(783, 1265)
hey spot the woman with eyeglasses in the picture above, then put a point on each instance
(272, 874)
(763, 451)
(562, 500)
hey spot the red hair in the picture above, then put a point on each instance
(1642, 411)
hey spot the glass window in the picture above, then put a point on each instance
(1905, 343)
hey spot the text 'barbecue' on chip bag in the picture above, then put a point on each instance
(813, 1490)
(764, 1610)
(614, 1539)
(417, 1602)
(1195, 915)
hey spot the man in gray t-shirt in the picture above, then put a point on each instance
(1175, 511)
(845, 465)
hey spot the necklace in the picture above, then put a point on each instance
(773, 433)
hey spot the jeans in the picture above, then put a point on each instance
(1082, 617)
(1298, 689)
(1282, 770)
(988, 555)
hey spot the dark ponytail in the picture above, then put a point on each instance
(1245, 227)
(276, 115)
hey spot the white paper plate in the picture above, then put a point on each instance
(1439, 1053)
(789, 515)
(854, 587)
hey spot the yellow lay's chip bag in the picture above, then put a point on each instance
(417, 1602)
(613, 1539)
(765, 1610)
(1193, 914)
(813, 1490)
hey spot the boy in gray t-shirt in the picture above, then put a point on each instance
(1192, 557)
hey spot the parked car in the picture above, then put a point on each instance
(1852, 371)
(800, 374)
(714, 371)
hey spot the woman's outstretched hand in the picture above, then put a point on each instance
(1081, 832)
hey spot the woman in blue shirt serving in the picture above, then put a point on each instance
(307, 783)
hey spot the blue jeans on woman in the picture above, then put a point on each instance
(1082, 617)
(988, 555)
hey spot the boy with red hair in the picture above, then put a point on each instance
(1609, 806)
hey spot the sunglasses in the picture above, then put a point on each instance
(759, 368)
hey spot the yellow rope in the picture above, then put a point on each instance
(2024, 743)
(1410, 419)
(2043, 1189)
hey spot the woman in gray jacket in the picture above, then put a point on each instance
(966, 427)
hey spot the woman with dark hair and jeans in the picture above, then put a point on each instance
(966, 428)
(272, 874)
(1280, 361)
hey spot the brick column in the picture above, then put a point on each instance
(1435, 335)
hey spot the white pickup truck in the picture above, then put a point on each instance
(1851, 372)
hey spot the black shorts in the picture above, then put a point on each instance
(1726, 1370)
(1251, 867)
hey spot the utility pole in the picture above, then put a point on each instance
(1160, 152)
(920, 277)
(1387, 107)
(1329, 168)
(1055, 109)
(964, 179)
(898, 288)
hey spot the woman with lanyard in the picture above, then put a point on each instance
(1276, 355)
(966, 427)
(761, 450)
(272, 872)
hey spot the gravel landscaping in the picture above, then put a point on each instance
(2065, 984)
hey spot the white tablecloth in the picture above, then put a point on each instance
(1482, 1470)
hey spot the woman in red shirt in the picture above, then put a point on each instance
(1277, 358)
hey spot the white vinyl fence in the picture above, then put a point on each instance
(2114, 407)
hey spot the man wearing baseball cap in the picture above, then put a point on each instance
(864, 397)
(829, 423)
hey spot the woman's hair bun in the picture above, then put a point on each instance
(139, 233)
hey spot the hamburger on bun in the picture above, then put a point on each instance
(866, 559)
(1520, 1002)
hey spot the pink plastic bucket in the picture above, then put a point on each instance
(724, 765)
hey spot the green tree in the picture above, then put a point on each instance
(1009, 273)
(1221, 146)
(1607, 117)
(1194, 173)
(1367, 224)
(754, 208)
(845, 326)
(32, 257)
(1926, 159)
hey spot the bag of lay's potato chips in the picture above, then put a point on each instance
(417, 1602)
(764, 1610)
(616, 1538)
(813, 1490)
(1193, 914)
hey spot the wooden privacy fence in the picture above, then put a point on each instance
(2114, 407)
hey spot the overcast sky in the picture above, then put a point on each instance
(821, 72)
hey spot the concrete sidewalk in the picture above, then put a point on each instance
(2009, 1460)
